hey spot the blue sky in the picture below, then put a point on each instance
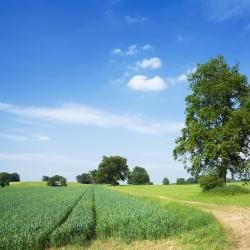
(83, 79)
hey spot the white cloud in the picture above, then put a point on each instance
(135, 19)
(88, 116)
(147, 47)
(132, 50)
(180, 78)
(117, 52)
(152, 63)
(141, 83)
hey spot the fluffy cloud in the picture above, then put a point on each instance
(117, 52)
(152, 63)
(131, 50)
(88, 116)
(141, 83)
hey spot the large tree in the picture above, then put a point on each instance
(216, 136)
(139, 176)
(112, 169)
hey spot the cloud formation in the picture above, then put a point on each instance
(152, 63)
(142, 83)
(88, 116)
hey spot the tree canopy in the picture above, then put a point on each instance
(6, 178)
(139, 176)
(165, 181)
(84, 178)
(216, 136)
(57, 180)
(112, 169)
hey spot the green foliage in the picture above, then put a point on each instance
(45, 178)
(210, 181)
(84, 178)
(229, 190)
(31, 214)
(139, 176)
(4, 179)
(57, 180)
(130, 218)
(165, 181)
(112, 169)
(180, 181)
(191, 180)
(79, 226)
(14, 177)
(216, 136)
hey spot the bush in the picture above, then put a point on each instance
(84, 178)
(180, 181)
(57, 180)
(191, 180)
(4, 179)
(229, 190)
(45, 178)
(210, 181)
(165, 181)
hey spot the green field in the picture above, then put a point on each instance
(188, 193)
(95, 217)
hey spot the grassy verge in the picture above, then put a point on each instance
(189, 193)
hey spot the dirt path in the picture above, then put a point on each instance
(234, 219)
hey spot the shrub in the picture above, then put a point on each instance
(191, 180)
(180, 181)
(229, 190)
(57, 180)
(210, 181)
(45, 178)
(165, 181)
(4, 179)
(84, 178)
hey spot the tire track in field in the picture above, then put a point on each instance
(46, 242)
(234, 219)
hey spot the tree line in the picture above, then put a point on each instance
(6, 178)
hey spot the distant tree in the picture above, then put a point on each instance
(45, 178)
(4, 179)
(180, 181)
(165, 181)
(57, 180)
(217, 127)
(191, 180)
(84, 178)
(112, 169)
(139, 176)
(14, 177)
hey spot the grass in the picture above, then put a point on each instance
(29, 215)
(79, 226)
(34, 216)
(129, 218)
(189, 193)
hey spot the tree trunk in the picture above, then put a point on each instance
(223, 174)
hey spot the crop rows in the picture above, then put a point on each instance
(130, 218)
(79, 226)
(28, 216)
(39, 218)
